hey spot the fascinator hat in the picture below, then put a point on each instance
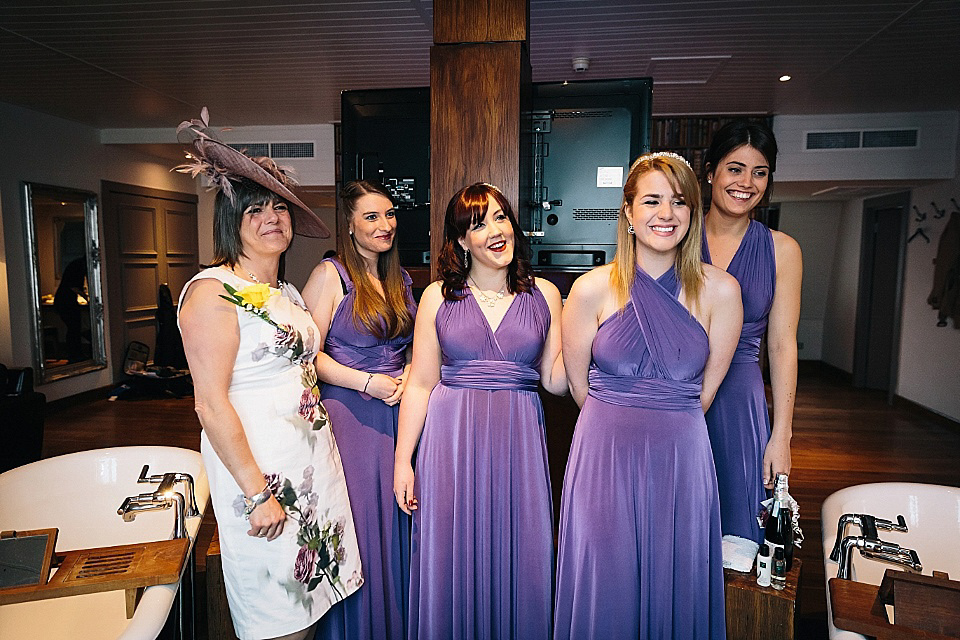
(224, 165)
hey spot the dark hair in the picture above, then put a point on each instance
(736, 134)
(386, 316)
(228, 216)
(466, 208)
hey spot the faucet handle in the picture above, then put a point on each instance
(144, 478)
(901, 524)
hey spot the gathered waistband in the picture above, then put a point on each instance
(645, 393)
(491, 375)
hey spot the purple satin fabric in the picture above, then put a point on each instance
(482, 560)
(645, 393)
(490, 375)
(640, 553)
(738, 420)
(366, 431)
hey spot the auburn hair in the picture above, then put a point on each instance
(387, 316)
(467, 207)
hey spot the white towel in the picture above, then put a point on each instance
(738, 553)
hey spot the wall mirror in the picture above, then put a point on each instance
(64, 280)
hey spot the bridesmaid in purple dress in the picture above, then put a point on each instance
(740, 163)
(363, 307)
(646, 341)
(482, 558)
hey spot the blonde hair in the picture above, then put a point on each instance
(688, 263)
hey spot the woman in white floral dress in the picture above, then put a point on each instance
(287, 539)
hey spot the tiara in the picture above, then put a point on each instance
(669, 154)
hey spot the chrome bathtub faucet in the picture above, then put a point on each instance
(165, 497)
(166, 482)
(156, 501)
(868, 528)
(876, 550)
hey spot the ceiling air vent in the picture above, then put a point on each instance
(877, 139)
(890, 138)
(277, 149)
(253, 148)
(291, 150)
(833, 140)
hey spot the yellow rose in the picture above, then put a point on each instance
(255, 294)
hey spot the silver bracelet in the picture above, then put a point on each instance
(249, 504)
(367, 383)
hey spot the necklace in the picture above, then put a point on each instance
(492, 300)
(280, 283)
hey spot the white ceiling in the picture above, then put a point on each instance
(152, 63)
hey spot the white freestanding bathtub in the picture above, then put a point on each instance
(79, 494)
(932, 513)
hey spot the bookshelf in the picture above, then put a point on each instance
(690, 136)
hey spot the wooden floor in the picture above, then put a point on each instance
(842, 437)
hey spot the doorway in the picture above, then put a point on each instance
(879, 297)
(150, 238)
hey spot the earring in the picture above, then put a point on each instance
(709, 180)
(466, 258)
(630, 229)
(350, 231)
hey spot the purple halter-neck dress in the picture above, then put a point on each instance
(640, 553)
(482, 559)
(738, 421)
(366, 433)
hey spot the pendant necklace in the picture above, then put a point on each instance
(280, 282)
(492, 300)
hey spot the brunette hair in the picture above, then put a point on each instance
(736, 134)
(228, 217)
(467, 207)
(688, 263)
(386, 316)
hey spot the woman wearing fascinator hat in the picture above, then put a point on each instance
(646, 341)
(286, 531)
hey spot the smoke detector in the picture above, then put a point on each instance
(581, 64)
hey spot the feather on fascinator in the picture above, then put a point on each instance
(223, 165)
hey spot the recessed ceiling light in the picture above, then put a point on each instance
(784, 78)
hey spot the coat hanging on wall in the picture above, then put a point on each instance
(945, 296)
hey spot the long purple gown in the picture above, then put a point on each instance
(482, 558)
(738, 421)
(366, 432)
(640, 519)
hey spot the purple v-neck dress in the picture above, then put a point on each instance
(366, 432)
(482, 558)
(640, 519)
(738, 421)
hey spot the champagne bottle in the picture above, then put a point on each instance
(779, 529)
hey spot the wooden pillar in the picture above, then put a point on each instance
(479, 87)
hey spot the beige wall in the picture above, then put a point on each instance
(47, 150)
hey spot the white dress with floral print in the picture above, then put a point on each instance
(279, 587)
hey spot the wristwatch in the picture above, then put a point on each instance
(249, 504)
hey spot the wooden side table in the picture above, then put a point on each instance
(760, 613)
